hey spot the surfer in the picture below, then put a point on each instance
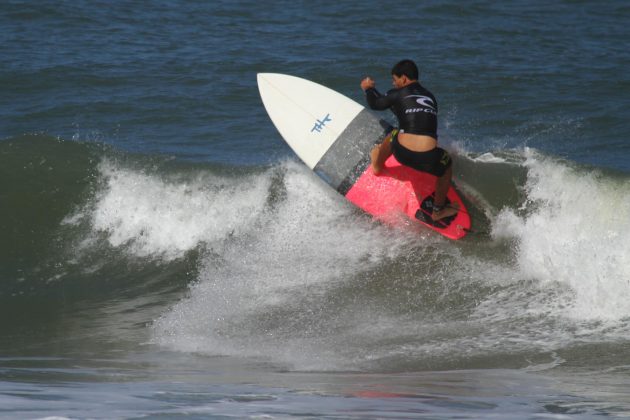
(414, 143)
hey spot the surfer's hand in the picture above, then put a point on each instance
(367, 83)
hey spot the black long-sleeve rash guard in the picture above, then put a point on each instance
(415, 107)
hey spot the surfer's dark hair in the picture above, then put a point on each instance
(406, 68)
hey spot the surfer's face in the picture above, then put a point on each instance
(399, 82)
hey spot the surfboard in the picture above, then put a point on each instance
(333, 136)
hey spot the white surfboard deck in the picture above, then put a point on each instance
(309, 116)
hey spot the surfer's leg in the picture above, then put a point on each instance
(442, 183)
(380, 153)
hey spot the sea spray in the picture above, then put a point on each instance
(571, 230)
(267, 294)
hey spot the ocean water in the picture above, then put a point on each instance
(164, 254)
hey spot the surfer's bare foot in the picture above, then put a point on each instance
(447, 211)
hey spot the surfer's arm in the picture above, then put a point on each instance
(378, 101)
(374, 98)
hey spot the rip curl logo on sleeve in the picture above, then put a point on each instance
(321, 123)
(426, 102)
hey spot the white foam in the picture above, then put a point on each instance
(489, 158)
(572, 230)
(166, 218)
(244, 300)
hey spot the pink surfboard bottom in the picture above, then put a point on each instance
(400, 189)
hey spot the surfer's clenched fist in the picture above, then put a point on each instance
(367, 83)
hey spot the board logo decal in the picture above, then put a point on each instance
(319, 124)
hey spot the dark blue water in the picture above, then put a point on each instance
(164, 253)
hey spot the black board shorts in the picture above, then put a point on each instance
(435, 161)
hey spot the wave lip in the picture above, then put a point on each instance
(160, 217)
